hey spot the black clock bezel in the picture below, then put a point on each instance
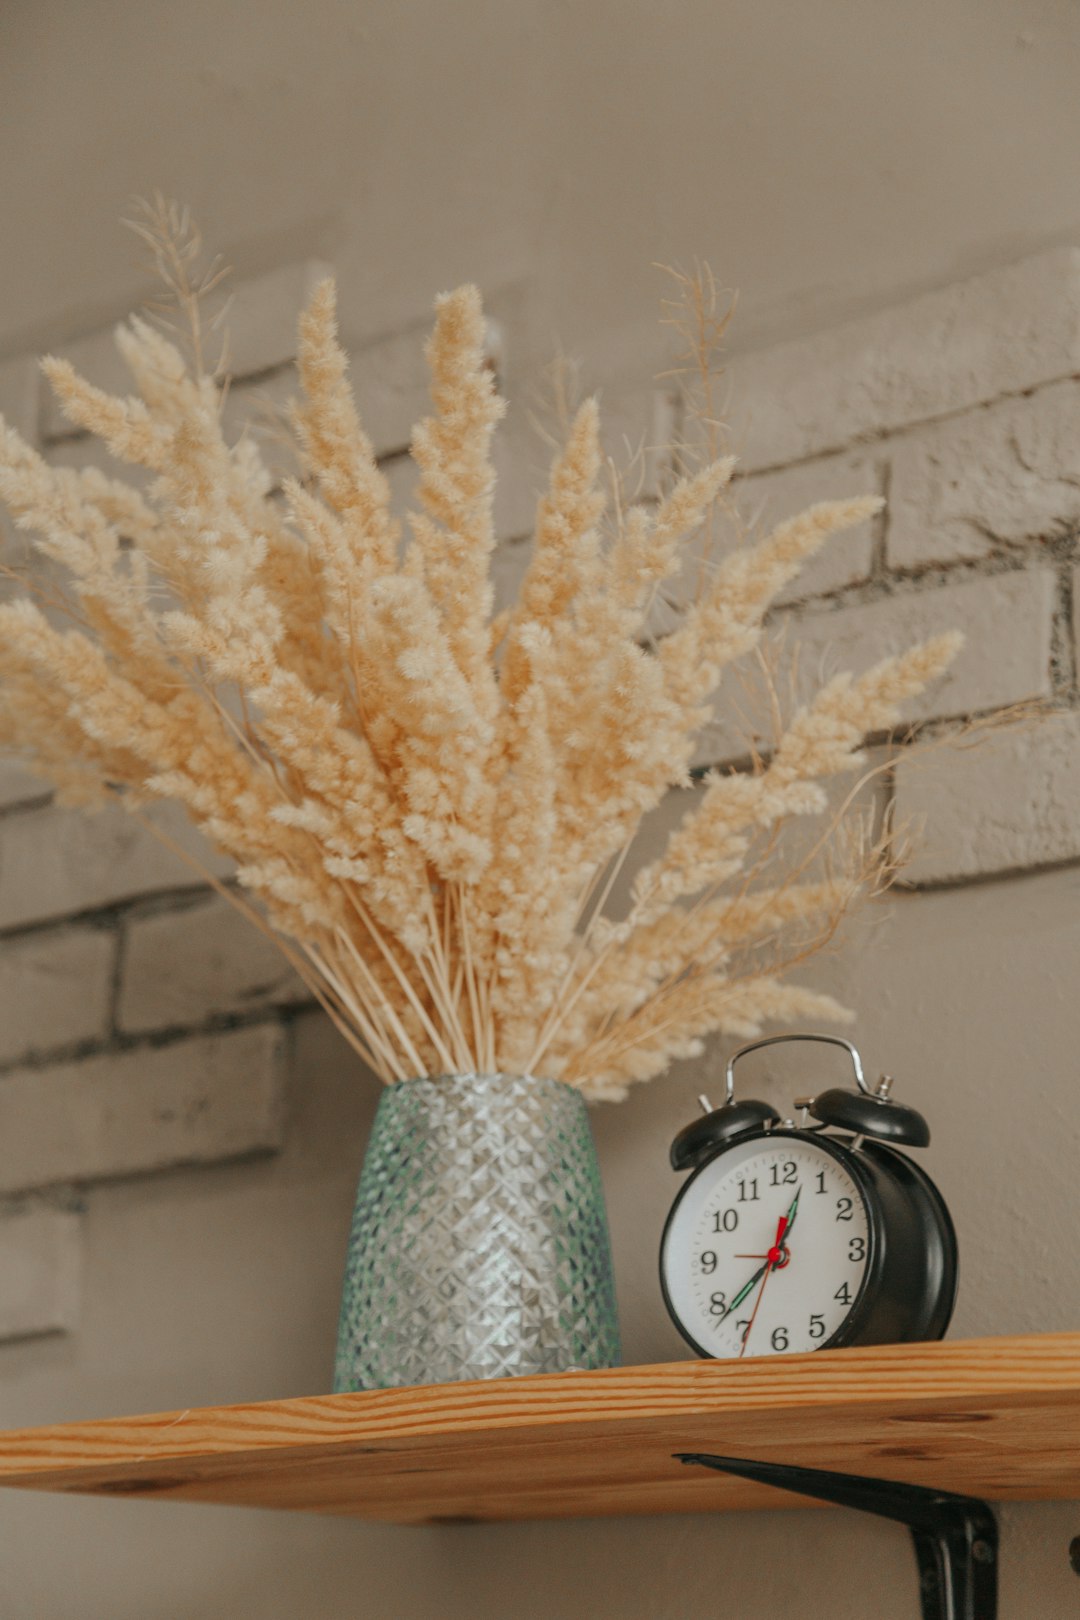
(836, 1149)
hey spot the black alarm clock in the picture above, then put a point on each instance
(791, 1235)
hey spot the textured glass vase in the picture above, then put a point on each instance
(479, 1244)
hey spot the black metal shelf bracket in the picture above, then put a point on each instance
(956, 1537)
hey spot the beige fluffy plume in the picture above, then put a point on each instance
(430, 811)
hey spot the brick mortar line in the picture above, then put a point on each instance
(879, 435)
(978, 880)
(60, 1196)
(902, 737)
(879, 551)
(117, 971)
(1066, 608)
(1062, 659)
(112, 914)
(1039, 551)
(121, 1044)
(41, 802)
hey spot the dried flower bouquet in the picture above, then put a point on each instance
(426, 803)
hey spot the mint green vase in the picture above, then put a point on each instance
(479, 1244)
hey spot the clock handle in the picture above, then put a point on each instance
(775, 1040)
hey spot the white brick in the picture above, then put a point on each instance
(20, 786)
(1007, 802)
(20, 385)
(994, 477)
(195, 1102)
(769, 498)
(1003, 332)
(40, 1265)
(182, 967)
(264, 316)
(1006, 618)
(54, 989)
(56, 861)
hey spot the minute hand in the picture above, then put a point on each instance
(747, 1288)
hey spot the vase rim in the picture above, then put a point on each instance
(480, 1075)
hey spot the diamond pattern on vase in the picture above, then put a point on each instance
(479, 1244)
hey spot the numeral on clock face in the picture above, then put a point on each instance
(767, 1251)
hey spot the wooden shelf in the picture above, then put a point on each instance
(995, 1418)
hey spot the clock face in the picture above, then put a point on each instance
(767, 1249)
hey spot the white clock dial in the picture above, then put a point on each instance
(734, 1288)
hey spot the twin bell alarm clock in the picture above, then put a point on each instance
(806, 1234)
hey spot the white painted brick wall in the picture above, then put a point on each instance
(1005, 803)
(120, 1114)
(1000, 333)
(769, 498)
(990, 479)
(55, 862)
(1007, 619)
(40, 1265)
(181, 968)
(55, 989)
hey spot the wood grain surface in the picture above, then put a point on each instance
(998, 1418)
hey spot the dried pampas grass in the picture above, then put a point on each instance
(430, 807)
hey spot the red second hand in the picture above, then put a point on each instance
(773, 1258)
